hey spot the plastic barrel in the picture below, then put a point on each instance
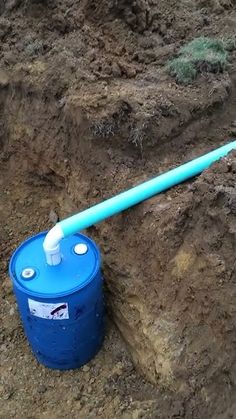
(61, 307)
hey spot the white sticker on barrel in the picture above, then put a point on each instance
(51, 311)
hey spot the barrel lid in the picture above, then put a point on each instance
(30, 272)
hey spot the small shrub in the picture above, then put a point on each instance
(34, 48)
(104, 128)
(183, 70)
(198, 56)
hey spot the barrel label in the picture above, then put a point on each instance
(51, 311)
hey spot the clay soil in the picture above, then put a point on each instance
(87, 109)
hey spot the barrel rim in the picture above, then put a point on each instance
(47, 296)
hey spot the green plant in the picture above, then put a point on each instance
(198, 56)
(183, 70)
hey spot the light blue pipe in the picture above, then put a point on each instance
(131, 197)
(142, 192)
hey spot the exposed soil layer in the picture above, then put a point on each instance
(87, 109)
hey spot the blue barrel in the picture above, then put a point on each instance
(61, 306)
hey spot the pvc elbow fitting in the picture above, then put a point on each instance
(51, 245)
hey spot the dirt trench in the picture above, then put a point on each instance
(169, 264)
(88, 110)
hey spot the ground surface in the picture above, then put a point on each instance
(86, 110)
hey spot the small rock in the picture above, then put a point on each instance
(86, 368)
(9, 58)
(92, 381)
(12, 311)
(42, 389)
(78, 405)
(3, 347)
(127, 69)
(116, 71)
(61, 102)
(44, 203)
(89, 389)
(69, 401)
(53, 217)
(163, 29)
(8, 395)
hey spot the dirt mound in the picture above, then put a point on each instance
(109, 59)
(173, 298)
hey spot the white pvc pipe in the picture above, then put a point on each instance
(51, 245)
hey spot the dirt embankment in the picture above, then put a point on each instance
(88, 109)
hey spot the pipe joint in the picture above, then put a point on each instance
(51, 245)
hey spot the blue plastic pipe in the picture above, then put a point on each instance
(126, 200)
(142, 192)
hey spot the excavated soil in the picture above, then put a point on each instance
(87, 109)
